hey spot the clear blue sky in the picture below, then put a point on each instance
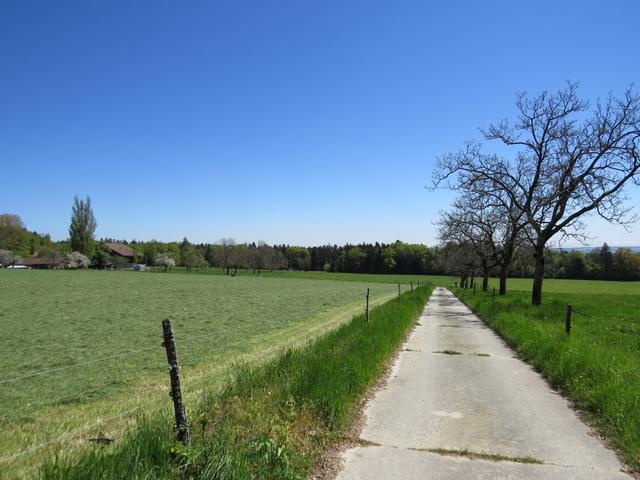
(302, 122)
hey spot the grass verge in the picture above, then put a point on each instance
(270, 421)
(597, 366)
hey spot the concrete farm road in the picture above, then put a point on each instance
(459, 405)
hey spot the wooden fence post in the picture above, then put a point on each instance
(493, 295)
(412, 285)
(398, 290)
(182, 424)
(567, 322)
(366, 310)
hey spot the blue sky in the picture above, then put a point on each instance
(300, 122)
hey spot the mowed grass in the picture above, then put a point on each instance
(97, 335)
(597, 366)
(404, 280)
(550, 284)
(270, 422)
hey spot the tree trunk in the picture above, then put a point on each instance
(485, 280)
(503, 280)
(473, 280)
(463, 277)
(538, 275)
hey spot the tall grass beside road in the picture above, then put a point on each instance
(271, 421)
(597, 366)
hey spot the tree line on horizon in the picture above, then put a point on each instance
(376, 258)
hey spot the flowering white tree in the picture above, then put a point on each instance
(76, 260)
(164, 260)
(7, 257)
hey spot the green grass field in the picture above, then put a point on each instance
(270, 422)
(64, 321)
(97, 336)
(597, 366)
(550, 284)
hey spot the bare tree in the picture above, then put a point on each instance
(257, 256)
(225, 253)
(274, 259)
(493, 231)
(570, 161)
(460, 260)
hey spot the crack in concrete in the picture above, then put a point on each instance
(455, 352)
(493, 457)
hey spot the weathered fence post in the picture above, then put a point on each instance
(366, 309)
(474, 288)
(493, 295)
(567, 322)
(398, 290)
(412, 285)
(182, 424)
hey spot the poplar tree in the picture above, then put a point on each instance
(83, 226)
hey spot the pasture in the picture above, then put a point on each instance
(81, 349)
(272, 421)
(597, 365)
(552, 285)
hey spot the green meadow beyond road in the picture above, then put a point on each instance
(459, 405)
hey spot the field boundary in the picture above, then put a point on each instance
(114, 421)
(258, 400)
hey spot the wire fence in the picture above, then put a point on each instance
(193, 350)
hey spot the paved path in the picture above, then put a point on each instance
(492, 404)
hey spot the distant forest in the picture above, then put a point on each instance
(397, 257)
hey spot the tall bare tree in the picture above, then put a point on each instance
(493, 231)
(570, 160)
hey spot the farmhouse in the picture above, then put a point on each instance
(43, 262)
(122, 251)
(123, 256)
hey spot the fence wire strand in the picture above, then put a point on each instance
(191, 382)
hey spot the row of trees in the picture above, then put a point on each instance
(568, 161)
(398, 257)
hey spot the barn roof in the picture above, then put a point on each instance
(33, 261)
(121, 249)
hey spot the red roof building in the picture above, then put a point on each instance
(122, 250)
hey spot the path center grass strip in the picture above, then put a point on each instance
(597, 366)
(271, 421)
